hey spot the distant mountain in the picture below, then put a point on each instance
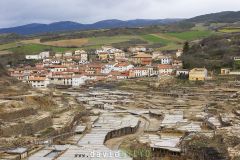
(221, 17)
(36, 28)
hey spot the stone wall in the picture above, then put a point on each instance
(26, 129)
(17, 113)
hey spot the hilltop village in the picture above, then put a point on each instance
(114, 104)
(74, 69)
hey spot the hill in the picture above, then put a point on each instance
(221, 17)
(213, 52)
(37, 28)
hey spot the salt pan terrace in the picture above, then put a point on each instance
(91, 146)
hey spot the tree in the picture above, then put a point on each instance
(186, 47)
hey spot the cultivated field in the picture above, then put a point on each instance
(230, 30)
(163, 41)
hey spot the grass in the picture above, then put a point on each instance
(109, 40)
(60, 43)
(152, 38)
(191, 35)
(36, 48)
(230, 30)
(8, 46)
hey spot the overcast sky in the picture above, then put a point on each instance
(19, 12)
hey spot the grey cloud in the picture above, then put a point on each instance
(19, 12)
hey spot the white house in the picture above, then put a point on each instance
(68, 54)
(179, 53)
(108, 68)
(166, 60)
(182, 72)
(39, 56)
(165, 69)
(58, 68)
(122, 67)
(138, 49)
(44, 55)
(38, 82)
(32, 57)
(79, 80)
(138, 72)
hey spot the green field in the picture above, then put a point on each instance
(36, 48)
(230, 30)
(8, 46)
(191, 35)
(151, 38)
(168, 41)
(109, 40)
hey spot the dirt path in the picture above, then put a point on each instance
(115, 143)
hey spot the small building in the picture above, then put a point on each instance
(138, 72)
(180, 72)
(179, 53)
(21, 152)
(142, 59)
(165, 69)
(177, 64)
(83, 55)
(32, 57)
(119, 55)
(198, 74)
(80, 129)
(225, 71)
(38, 82)
(122, 67)
(166, 60)
(79, 80)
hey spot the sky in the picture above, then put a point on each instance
(20, 12)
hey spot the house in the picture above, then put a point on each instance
(115, 75)
(236, 58)
(119, 55)
(95, 67)
(103, 56)
(38, 82)
(166, 60)
(137, 49)
(157, 55)
(138, 72)
(180, 72)
(122, 67)
(68, 54)
(142, 59)
(179, 53)
(39, 56)
(83, 56)
(225, 71)
(57, 68)
(177, 64)
(79, 80)
(165, 69)
(32, 57)
(58, 55)
(108, 67)
(44, 55)
(198, 74)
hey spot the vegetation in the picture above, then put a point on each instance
(214, 52)
(191, 35)
(230, 30)
(36, 48)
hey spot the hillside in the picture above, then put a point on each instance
(214, 52)
(37, 28)
(221, 17)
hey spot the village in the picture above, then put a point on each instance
(74, 69)
(118, 105)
